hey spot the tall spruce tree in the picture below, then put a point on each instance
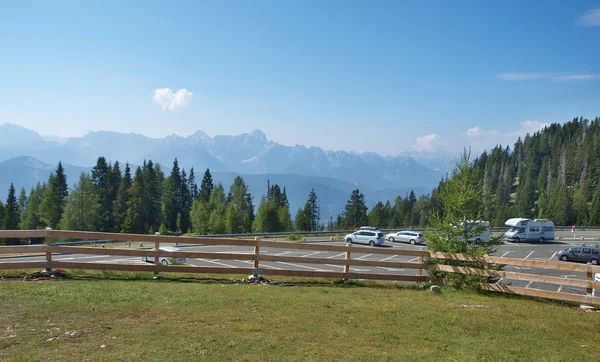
(192, 186)
(172, 203)
(206, 187)
(355, 213)
(83, 207)
(1, 215)
(461, 201)
(122, 199)
(55, 197)
(32, 218)
(102, 181)
(12, 215)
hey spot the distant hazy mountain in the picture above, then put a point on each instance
(249, 153)
(27, 171)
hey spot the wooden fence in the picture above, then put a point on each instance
(256, 257)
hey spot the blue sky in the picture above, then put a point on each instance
(382, 76)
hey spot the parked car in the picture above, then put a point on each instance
(366, 236)
(581, 253)
(165, 260)
(406, 236)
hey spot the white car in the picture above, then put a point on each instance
(165, 260)
(406, 236)
(365, 236)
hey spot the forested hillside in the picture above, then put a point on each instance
(553, 174)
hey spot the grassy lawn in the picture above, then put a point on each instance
(178, 319)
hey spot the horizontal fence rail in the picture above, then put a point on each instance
(589, 283)
(256, 255)
(156, 255)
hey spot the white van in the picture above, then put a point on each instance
(529, 230)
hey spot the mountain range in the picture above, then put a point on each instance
(26, 157)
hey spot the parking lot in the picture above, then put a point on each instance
(530, 251)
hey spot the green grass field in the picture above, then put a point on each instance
(130, 317)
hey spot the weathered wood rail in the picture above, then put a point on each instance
(49, 249)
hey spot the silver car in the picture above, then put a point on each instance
(371, 237)
(406, 236)
(166, 260)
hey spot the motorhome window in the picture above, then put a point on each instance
(587, 251)
(547, 228)
(534, 229)
(521, 230)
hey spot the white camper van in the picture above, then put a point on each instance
(529, 230)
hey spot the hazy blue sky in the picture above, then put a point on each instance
(383, 76)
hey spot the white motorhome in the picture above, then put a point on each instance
(529, 230)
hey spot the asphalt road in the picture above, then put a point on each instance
(531, 251)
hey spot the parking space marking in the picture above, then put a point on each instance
(564, 276)
(214, 261)
(390, 269)
(361, 257)
(311, 254)
(301, 266)
(528, 284)
(335, 256)
(553, 255)
(503, 255)
(389, 257)
(528, 255)
(285, 252)
(262, 265)
(336, 266)
(84, 257)
(413, 260)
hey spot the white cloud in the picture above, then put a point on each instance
(528, 126)
(427, 143)
(575, 77)
(169, 101)
(480, 132)
(590, 18)
(521, 76)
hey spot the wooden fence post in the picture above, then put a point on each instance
(157, 257)
(347, 266)
(48, 242)
(420, 271)
(255, 263)
(590, 279)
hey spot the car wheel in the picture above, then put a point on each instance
(478, 240)
(164, 262)
(391, 239)
(542, 240)
(564, 258)
(594, 261)
(349, 241)
(412, 242)
(517, 240)
(372, 243)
